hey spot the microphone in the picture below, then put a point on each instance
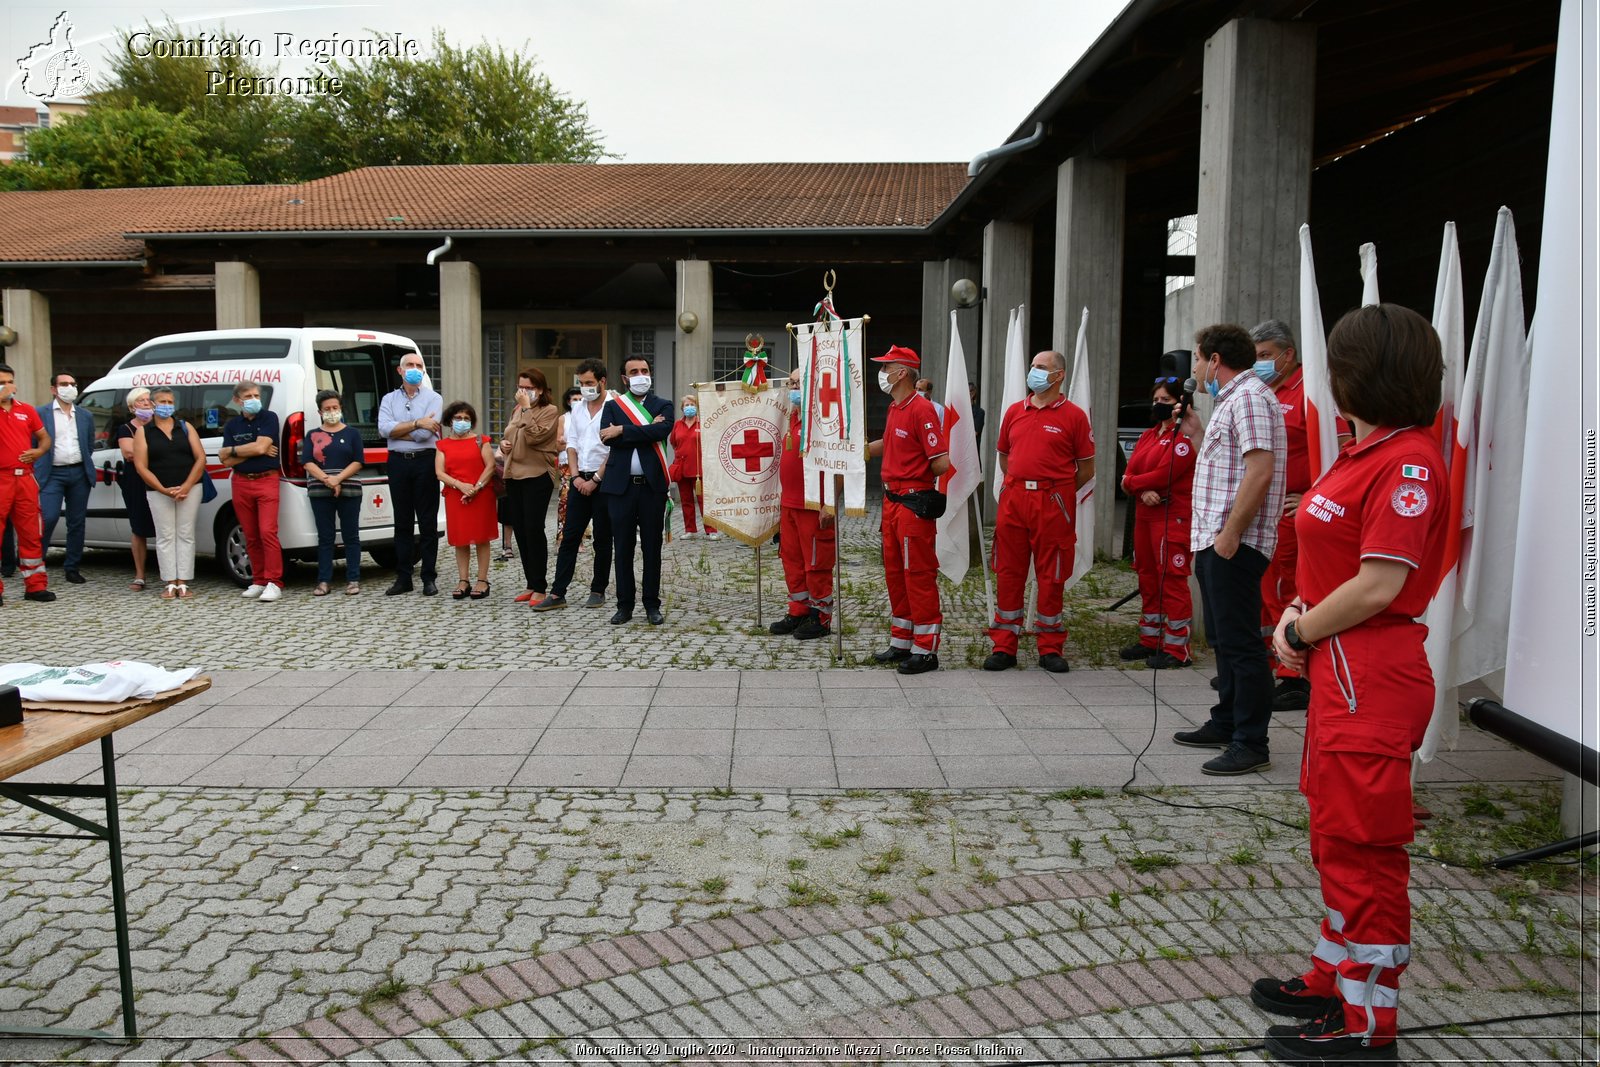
(1189, 386)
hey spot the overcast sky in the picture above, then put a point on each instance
(681, 81)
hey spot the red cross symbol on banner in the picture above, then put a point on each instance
(828, 394)
(1409, 500)
(752, 450)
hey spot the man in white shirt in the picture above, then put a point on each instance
(66, 473)
(586, 461)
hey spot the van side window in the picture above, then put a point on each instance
(109, 412)
(209, 407)
(359, 375)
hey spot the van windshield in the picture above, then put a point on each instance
(360, 374)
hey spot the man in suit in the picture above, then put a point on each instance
(635, 426)
(65, 472)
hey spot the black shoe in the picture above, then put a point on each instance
(1290, 998)
(8, 572)
(39, 596)
(1165, 661)
(891, 655)
(787, 625)
(621, 617)
(1326, 1040)
(1216, 683)
(430, 587)
(1209, 735)
(596, 600)
(655, 617)
(75, 578)
(1055, 663)
(999, 661)
(401, 585)
(812, 629)
(1137, 650)
(1236, 759)
(551, 603)
(1292, 694)
(919, 663)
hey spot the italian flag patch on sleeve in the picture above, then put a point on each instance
(1409, 470)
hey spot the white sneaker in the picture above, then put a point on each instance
(252, 591)
(713, 537)
(688, 534)
(270, 591)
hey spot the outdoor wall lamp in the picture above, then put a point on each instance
(688, 321)
(965, 293)
(8, 337)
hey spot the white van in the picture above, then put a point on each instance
(291, 365)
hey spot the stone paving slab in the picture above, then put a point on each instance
(518, 925)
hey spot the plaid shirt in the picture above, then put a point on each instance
(1246, 418)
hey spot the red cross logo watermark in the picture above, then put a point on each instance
(1409, 499)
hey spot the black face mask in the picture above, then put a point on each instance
(1160, 412)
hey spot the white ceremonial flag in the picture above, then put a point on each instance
(1449, 322)
(1369, 274)
(965, 474)
(741, 444)
(1493, 429)
(1322, 440)
(1016, 379)
(1083, 557)
(834, 412)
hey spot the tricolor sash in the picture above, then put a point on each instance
(639, 415)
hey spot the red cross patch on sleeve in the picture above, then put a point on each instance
(1409, 499)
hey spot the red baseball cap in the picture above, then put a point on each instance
(900, 354)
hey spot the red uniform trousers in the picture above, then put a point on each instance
(1032, 524)
(688, 497)
(19, 509)
(808, 550)
(255, 502)
(910, 567)
(1161, 560)
(1371, 697)
(1277, 587)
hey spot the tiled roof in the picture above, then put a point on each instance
(89, 224)
(72, 225)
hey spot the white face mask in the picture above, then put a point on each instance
(332, 415)
(67, 393)
(884, 383)
(639, 384)
(589, 392)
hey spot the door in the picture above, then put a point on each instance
(107, 522)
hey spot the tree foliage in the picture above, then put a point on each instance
(120, 147)
(459, 105)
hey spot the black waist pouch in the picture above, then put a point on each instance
(923, 503)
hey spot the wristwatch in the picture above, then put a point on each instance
(1291, 637)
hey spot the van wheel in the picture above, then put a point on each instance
(232, 556)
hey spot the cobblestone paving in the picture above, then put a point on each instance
(708, 589)
(505, 924)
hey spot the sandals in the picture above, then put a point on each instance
(476, 595)
(321, 589)
(170, 592)
(352, 589)
(137, 585)
(184, 593)
(463, 587)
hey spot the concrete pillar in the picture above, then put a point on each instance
(1255, 170)
(28, 312)
(461, 334)
(937, 278)
(238, 297)
(1007, 282)
(1088, 274)
(692, 361)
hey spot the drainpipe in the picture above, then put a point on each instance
(982, 159)
(433, 256)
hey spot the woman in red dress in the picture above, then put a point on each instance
(465, 464)
(686, 467)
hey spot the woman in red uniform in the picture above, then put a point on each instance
(1159, 480)
(465, 465)
(685, 470)
(1371, 533)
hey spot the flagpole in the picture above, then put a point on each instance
(759, 621)
(838, 568)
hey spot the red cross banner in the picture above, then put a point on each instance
(741, 441)
(833, 416)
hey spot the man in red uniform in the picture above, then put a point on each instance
(806, 540)
(1046, 452)
(1278, 364)
(915, 453)
(23, 439)
(1374, 532)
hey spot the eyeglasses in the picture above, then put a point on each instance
(1169, 380)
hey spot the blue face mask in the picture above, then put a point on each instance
(165, 411)
(794, 398)
(1213, 388)
(1038, 380)
(1266, 369)
(413, 376)
(690, 411)
(252, 406)
(461, 427)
